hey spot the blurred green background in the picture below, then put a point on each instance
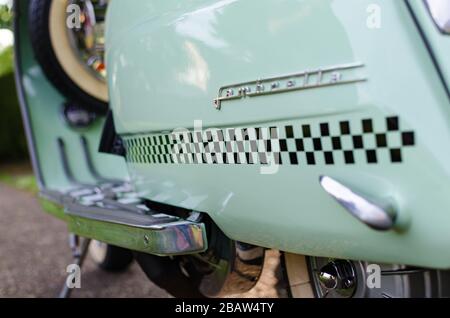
(14, 167)
(13, 147)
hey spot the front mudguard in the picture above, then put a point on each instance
(386, 137)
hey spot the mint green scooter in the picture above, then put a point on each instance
(195, 135)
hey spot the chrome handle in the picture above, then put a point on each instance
(361, 208)
(440, 11)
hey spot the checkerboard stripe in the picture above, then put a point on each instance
(342, 142)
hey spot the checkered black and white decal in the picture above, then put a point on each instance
(342, 142)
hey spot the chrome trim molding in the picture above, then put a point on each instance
(361, 208)
(24, 108)
(323, 77)
(117, 204)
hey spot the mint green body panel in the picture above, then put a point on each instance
(439, 42)
(47, 125)
(168, 59)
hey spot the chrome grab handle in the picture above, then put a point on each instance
(361, 208)
(440, 11)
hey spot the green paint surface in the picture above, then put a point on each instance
(167, 61)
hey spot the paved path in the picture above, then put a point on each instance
(34, 254)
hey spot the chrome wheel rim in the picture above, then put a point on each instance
(98, 251)
(88, 40)
(396, 281)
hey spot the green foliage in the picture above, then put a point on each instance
(6, 61)
(6, 17)
(12, 137)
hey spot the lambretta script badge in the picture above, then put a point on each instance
(329, 76)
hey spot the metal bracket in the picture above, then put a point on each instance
(79, 252)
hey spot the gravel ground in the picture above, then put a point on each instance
(34, 254)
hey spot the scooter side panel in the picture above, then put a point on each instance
(167, 70)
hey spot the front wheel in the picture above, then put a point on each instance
(321, 277)
(110, 258)
(226, 268)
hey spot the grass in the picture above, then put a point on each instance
(20, 177)
(25, 183)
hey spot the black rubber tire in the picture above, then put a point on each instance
(117, 259)
(38, 15)
(166, 274)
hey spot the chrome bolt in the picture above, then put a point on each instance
(328, 277)
(146, 239)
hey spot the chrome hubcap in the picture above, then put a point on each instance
(338, 276)
(333, 278)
